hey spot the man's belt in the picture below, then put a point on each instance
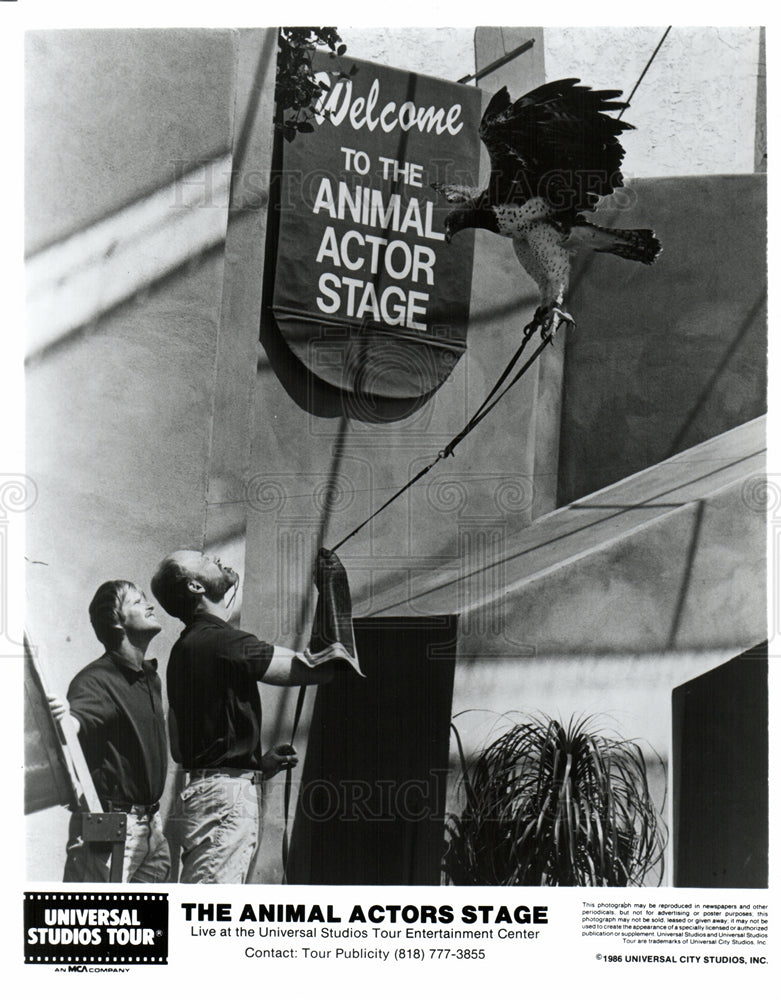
(197, 773)
(133, 807)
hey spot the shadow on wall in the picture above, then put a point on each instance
(321, 399)
(669, 356)
(161, 206)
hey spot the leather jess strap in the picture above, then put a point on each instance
(289, 782)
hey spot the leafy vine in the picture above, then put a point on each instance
(297, 89)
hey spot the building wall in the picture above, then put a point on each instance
(119, 410)
(111, 115)
(694, 111)
(444, 52)
(664, 357)
(129, 417)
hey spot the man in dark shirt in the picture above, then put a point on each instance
(215, 716)
(116, 707)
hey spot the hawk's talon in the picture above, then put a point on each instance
(547, 319)
(535, 323)
(551, 319)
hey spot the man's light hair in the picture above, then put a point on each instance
(105, 610)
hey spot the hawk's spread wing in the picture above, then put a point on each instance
(556, 142)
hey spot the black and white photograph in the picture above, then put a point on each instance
(395, 532)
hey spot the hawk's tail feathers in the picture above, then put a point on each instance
(632, 244)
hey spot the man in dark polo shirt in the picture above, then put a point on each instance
(116, 707)
(215, 716)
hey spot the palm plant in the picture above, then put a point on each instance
(553, 805)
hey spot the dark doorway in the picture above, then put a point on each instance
(720, 760)
(372, 799)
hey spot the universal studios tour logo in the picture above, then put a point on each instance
(95, 928)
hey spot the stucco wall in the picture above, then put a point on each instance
(444, 52)
(695, 109)
(694, 112)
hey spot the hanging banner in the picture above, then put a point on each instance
(368, 294)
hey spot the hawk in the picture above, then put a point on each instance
(554, 153)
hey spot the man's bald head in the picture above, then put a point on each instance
(187, 576)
